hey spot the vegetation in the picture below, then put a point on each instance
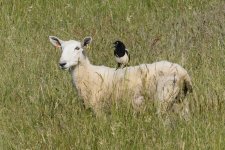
(39, 108)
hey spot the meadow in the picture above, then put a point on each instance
(39, 108)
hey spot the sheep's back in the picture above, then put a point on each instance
(133, 78)
(165, 68)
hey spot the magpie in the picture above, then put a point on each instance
(121, 54)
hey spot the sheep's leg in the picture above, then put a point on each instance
(181, 104)
(97, 109)
(165, 99)
(97, 105)
(182, 109)
(138, 100)
(185, 111)
(167, 90)
(92, 102)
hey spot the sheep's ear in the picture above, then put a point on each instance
(55, 41)
(86, 41)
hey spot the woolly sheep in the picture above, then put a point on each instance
(164, 82)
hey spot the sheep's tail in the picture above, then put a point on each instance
(187, 85)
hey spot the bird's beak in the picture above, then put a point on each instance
(114, 45)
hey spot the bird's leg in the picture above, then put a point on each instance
(119, 64)
(123, 66)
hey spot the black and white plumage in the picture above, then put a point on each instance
(121, 54)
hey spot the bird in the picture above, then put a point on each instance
(121, 54)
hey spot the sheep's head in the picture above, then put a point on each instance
(72, 51)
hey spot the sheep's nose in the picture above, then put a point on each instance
(62, 64)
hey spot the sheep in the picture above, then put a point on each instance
(164, 82)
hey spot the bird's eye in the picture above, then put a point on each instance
(77, 48)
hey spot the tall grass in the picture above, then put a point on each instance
(39, 108)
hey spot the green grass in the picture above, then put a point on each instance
(39, 108)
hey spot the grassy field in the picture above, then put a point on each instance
(39, 108)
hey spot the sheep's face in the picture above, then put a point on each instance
(72, 51)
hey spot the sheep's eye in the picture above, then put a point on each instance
(77, 48)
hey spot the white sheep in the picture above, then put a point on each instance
(164, 82)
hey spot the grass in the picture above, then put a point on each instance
(39, 108)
